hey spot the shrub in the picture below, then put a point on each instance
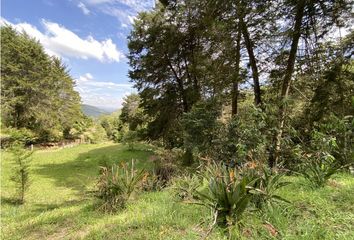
(200, 124)
(130, 138)
(241, 139)
(14, 136)
(318, 162)
(118, 134)
(342, 130)
(98, 134)
(116, 184)
(226, 194)
(21, 170)
(166, 165)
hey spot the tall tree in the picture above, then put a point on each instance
(313, 20)
(37, 90)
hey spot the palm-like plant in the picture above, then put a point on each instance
(116, 184)
(226, 194)
(265, 186)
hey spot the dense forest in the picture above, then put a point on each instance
(232, 99)
(244, 79)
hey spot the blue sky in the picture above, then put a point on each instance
(89, 36)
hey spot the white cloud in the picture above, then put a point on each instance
(137, 5)
(59, 41)
(102, 93)
(124, 10)
(85, 78)
(99, 1)
(83, 8)
(131, 19)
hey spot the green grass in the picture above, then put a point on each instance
(58, 206)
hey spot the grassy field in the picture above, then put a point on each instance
(58, 206)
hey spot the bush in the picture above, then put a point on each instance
(21, 170)
(166, 165)
(116, 184)
(318, 162)
(342, 130)
(242, 139)
(130, 138)
(200, 124)
(14, 136)
(118, 134)
(96, 134)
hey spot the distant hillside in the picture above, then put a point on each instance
(93, 111)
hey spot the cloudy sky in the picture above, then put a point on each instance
(89, 36)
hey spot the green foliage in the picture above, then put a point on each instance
(21, 170)
(113, 126)
(37, 92)
(226, 194)
(342, 129)
(165, 164)
(130, 138)
(97, 134)
(118, 134)
(116, 184)
(12, 136)
(266, 185)
(185, 187)
(242, 138)
(199, 125)
(131, 113)
(88, 130)
(318, 162)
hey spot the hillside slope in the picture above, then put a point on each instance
(92, 111)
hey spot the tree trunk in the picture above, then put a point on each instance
(300, 7)
(236, 77)
(180, 88)
(253, 62)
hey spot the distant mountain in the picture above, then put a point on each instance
(92, 111)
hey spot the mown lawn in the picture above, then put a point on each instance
(59, 207)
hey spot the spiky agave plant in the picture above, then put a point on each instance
(265, 187)
(185, 187)
(226, 194)
(116, 184)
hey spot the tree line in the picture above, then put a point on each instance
(198, 64)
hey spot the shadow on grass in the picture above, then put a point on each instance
(82, 171)
(11, 201)
(40, 207)
(59, 224)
